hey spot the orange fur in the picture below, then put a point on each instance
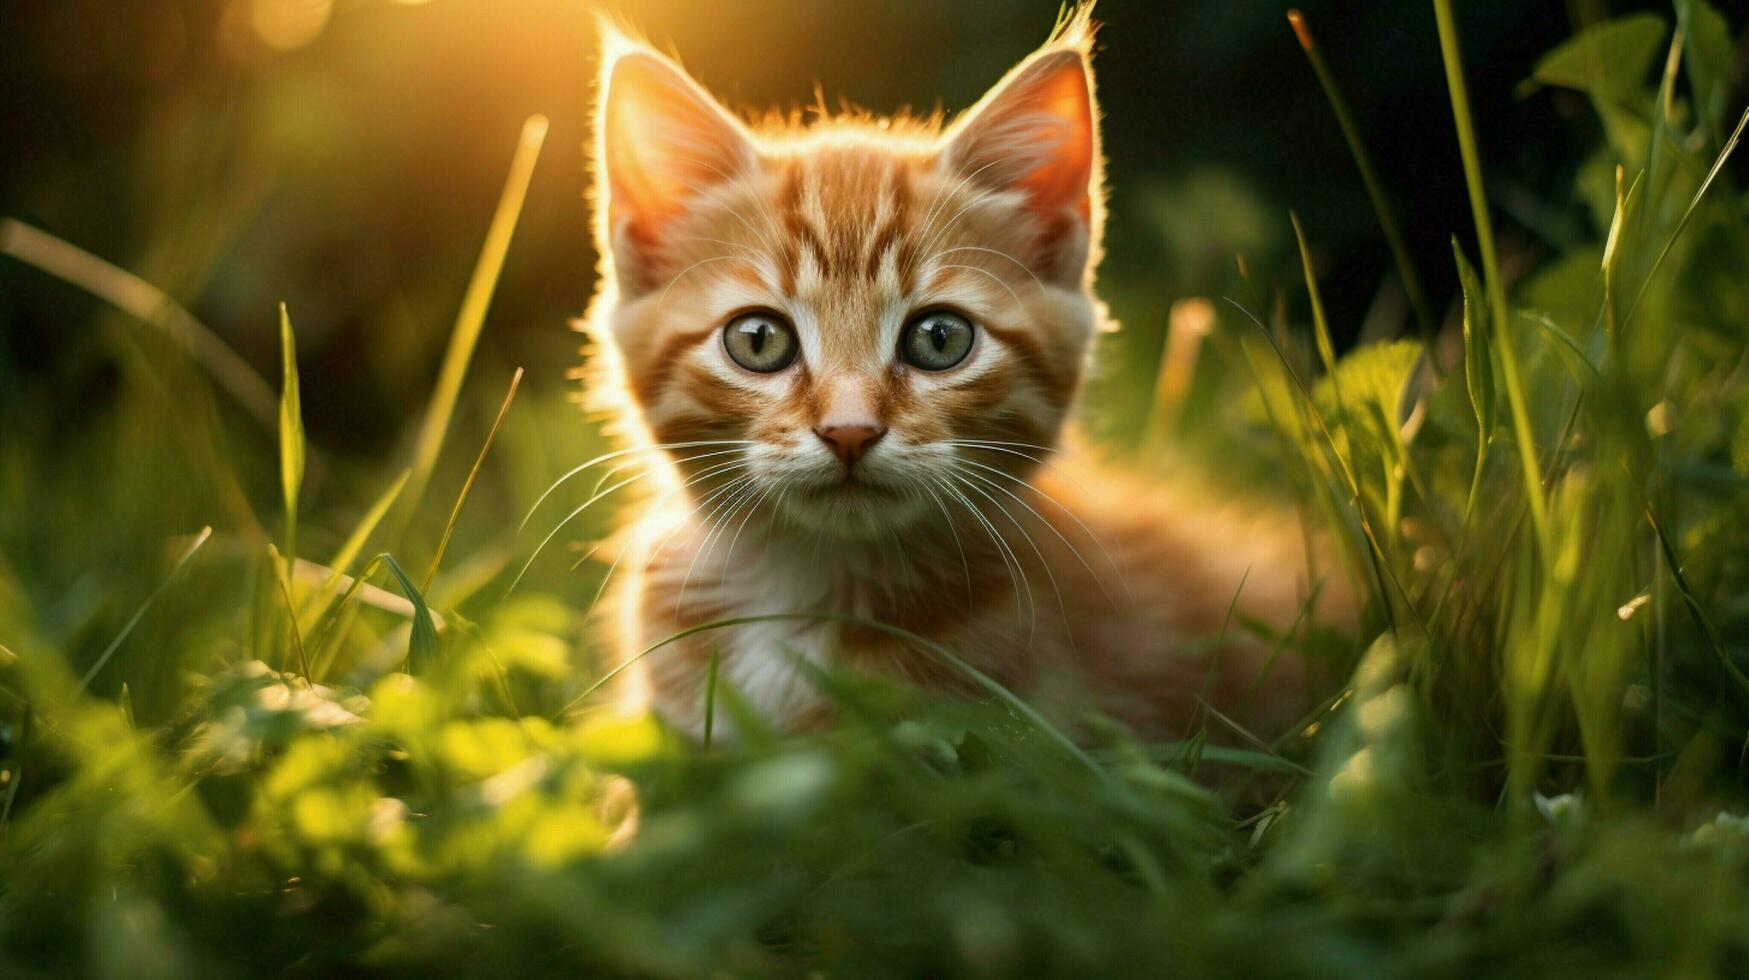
(962, 523)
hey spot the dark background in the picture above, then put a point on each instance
(345, 157)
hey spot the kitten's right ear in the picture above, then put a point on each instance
(662, 140)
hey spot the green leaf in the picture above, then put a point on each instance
(1608, 60)
(1373, 380)
(422, 646)
(291, 430)
(1478, 350)
(1708, 60)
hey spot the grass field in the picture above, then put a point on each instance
(267, 709)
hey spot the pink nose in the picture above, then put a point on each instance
(849, 442)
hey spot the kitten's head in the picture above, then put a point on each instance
(857, 318)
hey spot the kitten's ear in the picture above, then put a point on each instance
(662, 141)
(1037, 132)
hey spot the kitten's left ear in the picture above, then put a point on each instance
(1037, 133)
(663, 142)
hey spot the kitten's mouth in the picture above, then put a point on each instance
(850, 486)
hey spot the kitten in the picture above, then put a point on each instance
(852, 345)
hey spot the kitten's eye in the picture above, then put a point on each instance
(936, 341)
(761, 342)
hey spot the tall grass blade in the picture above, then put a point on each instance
(200, 540)
(1320, 324)
(146, 303)
(1496, 287)
(1375, 190)
(1478, 368)
(291, 433)
(455, 512)
(472, 316)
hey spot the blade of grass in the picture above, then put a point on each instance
(710, 697)
(1382, 571)
(200, 540)
(1708, 628)
(1375, 190)
(1496, 287)
(1712, 175)
(360, 589)
(1478, 369)
(1624, 201)
(342, 561)
(1320, 323)
(468, 484)
(471, 318)
(1218, 754)
(1246, 734)
(422, 644)
(1220, 645)
(291, 610)
(983, 680)
(291, 437)
(144, 302)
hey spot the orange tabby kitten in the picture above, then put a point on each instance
(853, 343)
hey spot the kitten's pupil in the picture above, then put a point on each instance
(938, 335)
(759, 333)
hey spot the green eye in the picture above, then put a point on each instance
(762, 342)
(936, 341)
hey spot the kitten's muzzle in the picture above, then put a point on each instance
(849, 442)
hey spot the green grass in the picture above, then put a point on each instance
(228, 747)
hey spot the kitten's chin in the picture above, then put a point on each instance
(859, 511)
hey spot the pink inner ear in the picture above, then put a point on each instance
(1035, 133)
(664, 142)
(1063, 181)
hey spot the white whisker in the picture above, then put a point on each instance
(1009, 561)
(609, 457)
(1068, 513)
(1026, 536)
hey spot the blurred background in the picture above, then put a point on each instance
(344, 156)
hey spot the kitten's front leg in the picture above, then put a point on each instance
(762, 662)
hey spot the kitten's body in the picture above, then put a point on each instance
(861, 481)
(1111, 596)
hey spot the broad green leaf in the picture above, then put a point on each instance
(1373, 378)
(1707, 59)
(1608, 60)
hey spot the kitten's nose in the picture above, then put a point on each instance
(849, 442)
